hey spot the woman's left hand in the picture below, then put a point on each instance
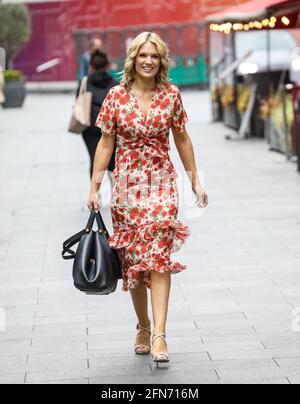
(201, 195)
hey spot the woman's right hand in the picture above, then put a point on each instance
(201, 195)
(93, 201)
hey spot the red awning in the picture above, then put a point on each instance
(244, 12)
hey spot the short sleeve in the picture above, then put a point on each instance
(106, 119)
(180, 117)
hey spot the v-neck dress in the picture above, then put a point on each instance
(145, 196)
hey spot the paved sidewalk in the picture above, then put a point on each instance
(231, 314)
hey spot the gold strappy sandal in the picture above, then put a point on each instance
(159, 357)
(142, 349)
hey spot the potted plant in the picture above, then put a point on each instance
(14, 89)
(15, 29)
(243, 100)
(228, 101)
(217, 108)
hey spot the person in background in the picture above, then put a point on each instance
(99, 83)
(2, 82)
(95, 44)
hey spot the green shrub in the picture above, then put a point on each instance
(10, 75)
(15, 29)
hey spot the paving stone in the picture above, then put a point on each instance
(53, 320)
(199, 377)
(232, 338)
(294, 379)
(48, 347)
(255, 381)
(172, 378)
(43, 365)
(288, 362)
(37, 377)
(278, 342)
(73, 381)
(114, 354)
(226, 330)
(130, 379)
(60, 332)
(12, 378)
(259, 373)
(13, 365)
(287, 352)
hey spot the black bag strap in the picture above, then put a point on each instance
(76, 238)
(91, 220)
(100, 223)
(69, 243)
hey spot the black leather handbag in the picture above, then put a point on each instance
(96, 267)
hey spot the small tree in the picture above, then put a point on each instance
(15, 29)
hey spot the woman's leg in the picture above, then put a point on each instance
(160, 293)
(140, 302)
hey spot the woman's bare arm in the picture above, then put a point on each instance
(186, 152)
(103, 156)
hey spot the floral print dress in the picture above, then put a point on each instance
(145, 195)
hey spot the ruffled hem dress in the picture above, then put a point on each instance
(145, 196)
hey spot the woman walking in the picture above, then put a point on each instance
(99, 83)
(139, 113)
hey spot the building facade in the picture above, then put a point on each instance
(61, 30)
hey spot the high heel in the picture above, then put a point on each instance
(159, 357)
(142, 349)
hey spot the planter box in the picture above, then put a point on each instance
(277, 139)
(15, 93)
(217, 111)
(230, 118)
(256, 126)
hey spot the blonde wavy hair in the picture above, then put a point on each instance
(129, 72)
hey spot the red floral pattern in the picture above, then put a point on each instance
(145, 194)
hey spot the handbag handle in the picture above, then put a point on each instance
(100, 223)
(83, 86)
(76, 238)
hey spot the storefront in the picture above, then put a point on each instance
(252, 73)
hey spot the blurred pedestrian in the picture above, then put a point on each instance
(2, 82)
(139, 113)
(95, 44)
(99, 83)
